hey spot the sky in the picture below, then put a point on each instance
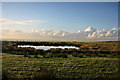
(60, 0)
(59, 16)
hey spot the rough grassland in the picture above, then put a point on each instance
(17, 66)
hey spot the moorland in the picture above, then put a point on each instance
(93, 60)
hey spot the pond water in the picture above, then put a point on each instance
(49, 47)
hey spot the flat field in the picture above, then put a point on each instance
(98, 68)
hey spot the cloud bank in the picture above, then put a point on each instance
(89, 34)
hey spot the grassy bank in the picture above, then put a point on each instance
(18, 66)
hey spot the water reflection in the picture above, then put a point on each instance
(49, 47)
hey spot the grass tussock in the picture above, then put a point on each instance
(19, 67)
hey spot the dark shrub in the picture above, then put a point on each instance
(102, 55)
(26, 54)
(75, 55)
(47, 55)
(81, 56)
(60, 55)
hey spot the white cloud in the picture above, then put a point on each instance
(80, 35)
(89, 29)
(30, 22)
(104, 33)
(7, 21)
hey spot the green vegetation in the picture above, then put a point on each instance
(91, 49)
(92, 61)
(19, 67)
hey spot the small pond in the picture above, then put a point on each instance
(49, 47)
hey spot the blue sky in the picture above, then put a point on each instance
(60, 0)
(67, 16)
